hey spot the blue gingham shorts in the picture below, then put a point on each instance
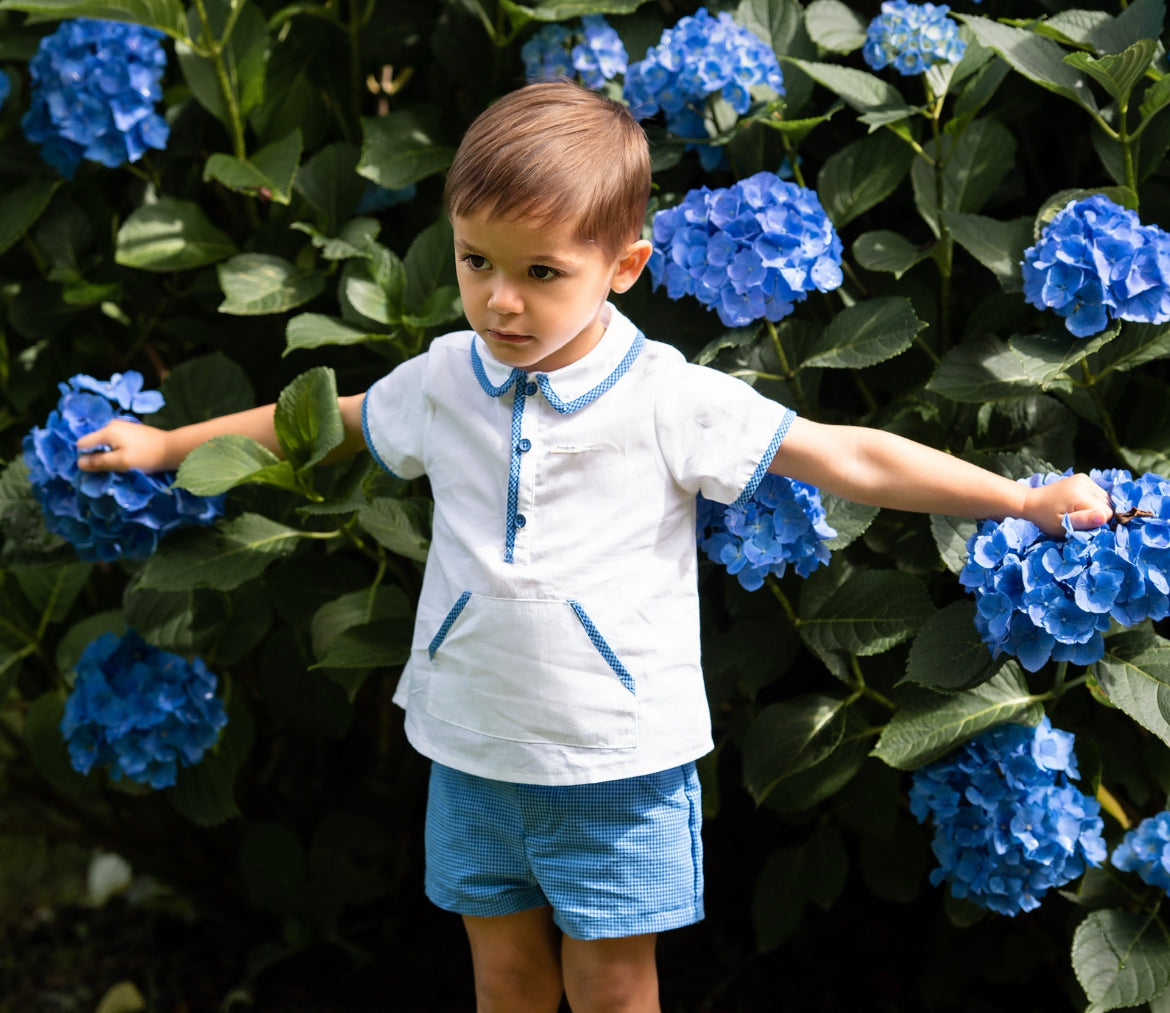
(615, 858)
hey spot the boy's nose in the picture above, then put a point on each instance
(505, 299)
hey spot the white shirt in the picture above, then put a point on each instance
(557, 633)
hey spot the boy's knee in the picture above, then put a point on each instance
(508, 986)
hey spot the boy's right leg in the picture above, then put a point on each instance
(517, 962)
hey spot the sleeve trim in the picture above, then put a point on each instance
(762, 468)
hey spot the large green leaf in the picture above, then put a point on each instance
(268, 174)
(315, 330)
(403, 147)
(330, 185)
(861, 175)
(800, 791)
(866, 333)
(46, 744)
(22, 206)
(864, 92)
(165, 15)
(360, 649)
(835, 26)
(1120, 72)
(973, 167)
(308, 419)
(203, 388)
(1140, 686)
(948, 654)
(244, 54)
(258, 283)
(1137, 344)
(226, 461)
(170, 235)
(1039, 59)
(394, 527)
(205, 793)
(564, 10)
(221, 558)
(883, 250)
(929, 724)
(429, 263)
(998, 246)
(870, 613)
(788, 737)
(1121, 959)
(816, 870)
(355, 608)
(850, 520)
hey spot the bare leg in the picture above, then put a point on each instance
(517, 962)
(611, 975)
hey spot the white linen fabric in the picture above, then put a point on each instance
(557, 633)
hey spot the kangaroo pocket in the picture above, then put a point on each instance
(530, 670)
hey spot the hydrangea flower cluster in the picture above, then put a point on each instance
(1039, 597)
(748, 251)
(912, 38)
(5, 88)
(594, 53)
(784, 522)
(1095, 260)
(701, 55)
(1146, 851)
(94, 87)
(105, 515)
(1008, 825)
(140, 711)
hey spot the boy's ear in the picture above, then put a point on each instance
(630, 265)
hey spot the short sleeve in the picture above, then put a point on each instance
(717, 433)
(394, 419)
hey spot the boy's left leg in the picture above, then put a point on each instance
(611, 975)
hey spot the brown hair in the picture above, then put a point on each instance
(555, 152)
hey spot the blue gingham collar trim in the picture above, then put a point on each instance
(573, 386)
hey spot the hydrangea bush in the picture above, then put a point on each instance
(95, 85)
(139, 712)
(749, 251)
(1040, 597)
(280, 237)
(1094, 262)
(781, 524)
(105, 515)
(1145, 849)
(1008, 826)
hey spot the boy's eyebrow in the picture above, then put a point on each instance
(550, 259)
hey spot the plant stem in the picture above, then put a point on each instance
(231, 100)
(944, 255)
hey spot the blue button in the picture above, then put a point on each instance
(524, 446)
(521, 520)
(530, 389)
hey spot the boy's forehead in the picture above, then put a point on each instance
(533, 237)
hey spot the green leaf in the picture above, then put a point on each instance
(929, 724)
(170, 235)
(864, 92)
(330, 185)
(226, 461)
(804, 789)
(394, 528)
(271, 169)
(788, 737)
(245, 56)
(564, 10)
(861, 175)
(308, 419)
(1156, 97)
(355, 608)
(816, 870)
(165, 15)
(222, 558)
(357, 238)
(871, 612)
(973, 167)
(1120, 72)
(373, 292)
(1121, 959)
(20, 207)
(1137, 344)
(205, 793)
(1142, 19)
(429, 264)
(203, 388)
(401, 147)
(46, 745)
(950, 537)
(948, 654)
(998, 246)
(835, 26)
(850, 520)
(315, 330)
(255, 284)
(380, 643)
(1039, 59)
(883, 250)
(1140, 686)
(865, 333)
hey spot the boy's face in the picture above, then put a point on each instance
(535, 293)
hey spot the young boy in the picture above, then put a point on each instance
(555, 679)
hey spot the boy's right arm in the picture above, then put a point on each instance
(134, 445)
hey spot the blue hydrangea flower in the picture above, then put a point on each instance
(1008, 826)
(700, 56)
(105, 515)
(1039, 597)
(5, 88)
(1095, 261)
(783, 523)
(594, 53)
(1146, 851)
(912, 38)
(378, 198)
(139, 711)
(749, 251)
(94, 88)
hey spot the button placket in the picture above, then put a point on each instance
(524, 388)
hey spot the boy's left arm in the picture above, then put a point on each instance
(882, 469)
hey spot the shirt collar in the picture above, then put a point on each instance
(573, 386)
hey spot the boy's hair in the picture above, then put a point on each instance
(555, 152)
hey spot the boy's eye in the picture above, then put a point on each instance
(542, 273)
(476, 262)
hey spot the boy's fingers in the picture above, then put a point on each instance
(1091, 517)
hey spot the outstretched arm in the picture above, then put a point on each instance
(881, 469)
(134, 445)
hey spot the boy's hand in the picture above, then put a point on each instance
(131, 445)
(1083, 500)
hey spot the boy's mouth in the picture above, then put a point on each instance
(509, 337)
